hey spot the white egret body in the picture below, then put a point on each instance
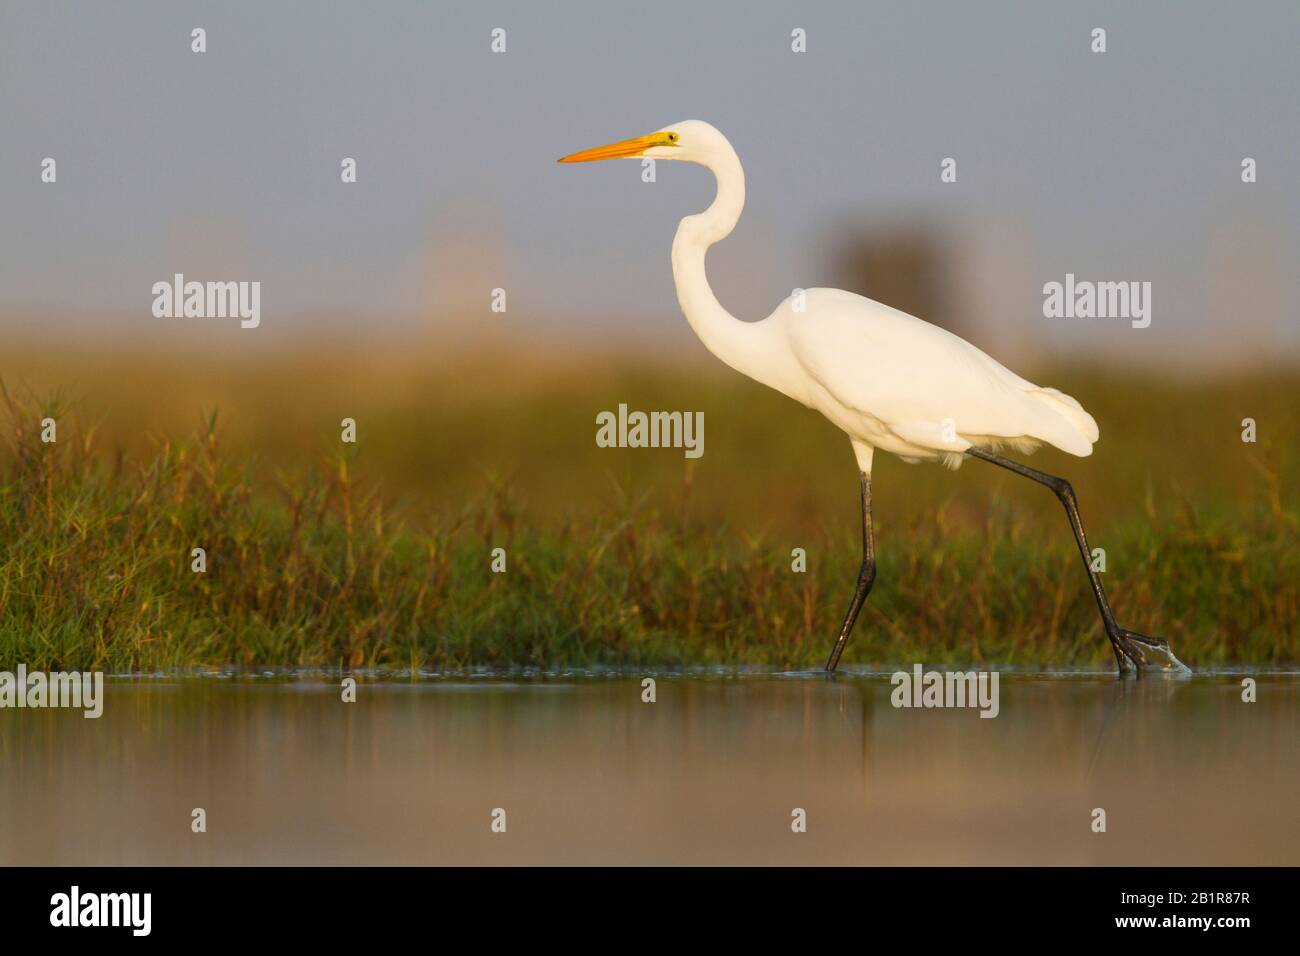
(887, 379)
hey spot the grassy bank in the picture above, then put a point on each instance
(380, 553)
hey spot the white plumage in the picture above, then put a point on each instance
(887, 379)
(894, 382)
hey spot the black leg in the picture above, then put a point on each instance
(866, 576)
(1132, 650)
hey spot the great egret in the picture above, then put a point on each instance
(887, 379)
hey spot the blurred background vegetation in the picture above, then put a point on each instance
(379, 553)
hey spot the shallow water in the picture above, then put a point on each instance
(710, 773)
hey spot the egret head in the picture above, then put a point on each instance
(691, 140)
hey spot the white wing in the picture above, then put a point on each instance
(920, 383)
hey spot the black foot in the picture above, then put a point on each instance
(1138, 653)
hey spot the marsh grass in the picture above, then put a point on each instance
(378, 554)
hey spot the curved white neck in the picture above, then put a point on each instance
(733, 341)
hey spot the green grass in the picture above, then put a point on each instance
(379, 554)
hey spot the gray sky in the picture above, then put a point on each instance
(225, 165)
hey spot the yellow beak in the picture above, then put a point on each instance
(620, 150)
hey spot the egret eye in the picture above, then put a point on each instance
(672, 137)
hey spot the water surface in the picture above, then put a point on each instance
(710, 773)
